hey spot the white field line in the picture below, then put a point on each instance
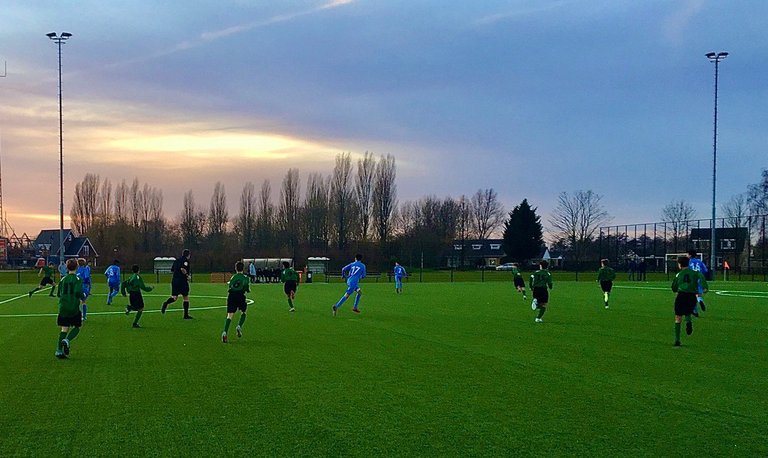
(122, 312)
(719, 292)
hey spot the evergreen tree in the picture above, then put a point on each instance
(523, 238)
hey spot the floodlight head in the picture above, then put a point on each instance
(51, 35)
(65, 35)
(722, 55)
(710, 55)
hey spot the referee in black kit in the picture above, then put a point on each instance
(180, 283)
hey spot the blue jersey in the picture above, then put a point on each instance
(697, 265)
(353, 272)
(399, 271)
(113, 274)
(84, 273)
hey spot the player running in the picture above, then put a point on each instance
(290, 278)
(353, 272)
(180, 284)
(399, 273)
(47, 273)
(84, 273)
(698, 265)
(239, 284)
(135, 285)
(687, 284)
(606, 275)
(517, 279)
(70, 318)
(540, 281)
(113, 280)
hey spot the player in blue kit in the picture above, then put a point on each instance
(84, 274)
(399, 273)
(697, 265)
(353, 272)
(113, 280)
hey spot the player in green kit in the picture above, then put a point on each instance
(47, 273)
(686, 284)
(239, 284)
(540, 281)
(135, 285)
(606, 275)
(517, 279)
(290, 278)
(70, 317)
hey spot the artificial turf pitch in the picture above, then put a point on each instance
(445, 369)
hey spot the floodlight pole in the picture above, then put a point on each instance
(715, 58)
(59, 40)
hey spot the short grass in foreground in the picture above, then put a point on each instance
(444, 369)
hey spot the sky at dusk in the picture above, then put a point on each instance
(530, 98)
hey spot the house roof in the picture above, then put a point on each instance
(73, 244)
(720, 233)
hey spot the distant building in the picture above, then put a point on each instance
(731, 244)
(46, 245)
(554, 258)
(475, 253)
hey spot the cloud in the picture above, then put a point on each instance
(527, 10)
(676, 24)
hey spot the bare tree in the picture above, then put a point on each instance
(316, 211)
(218, 214)
(757, 195)
(266, 216)
(736, 211)
(384, 196)
(678, 214)
(341, 198)
(121, 202)
(578, 218)
(366, 171)
(192, 222)
(105, 201)
(288, 208)
(487, 213)
(85, 204)
(135, 203)
(246, 220)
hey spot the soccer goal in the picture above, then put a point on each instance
(670, 260)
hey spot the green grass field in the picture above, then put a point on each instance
(446, 369)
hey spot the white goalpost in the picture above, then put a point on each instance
(670, 259)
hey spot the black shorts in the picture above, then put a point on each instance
(179, 288)
(541, 294)
(606, 286)
(685, 303)
(46, 281)
(519, 282)
(235, 302)
(74, 320)
(136, 301)
(290, 287)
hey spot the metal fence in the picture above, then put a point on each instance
(741, 246)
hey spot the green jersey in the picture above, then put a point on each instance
(47, 272)
(289, 275)
(135, 284)
(70, 292)
(239, 283)
(541, 279)
(606, 273)
(516, 272)
(687, 281)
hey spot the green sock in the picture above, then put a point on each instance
(242, 319)
(677, 331)
(688, 318)
(62, 336)
(290, 302)
(73, 333)
(541, 311)
(227, 322)
(138, 315)
(53, 288)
